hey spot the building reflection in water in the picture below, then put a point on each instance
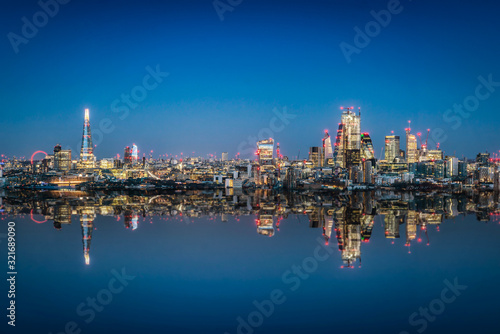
(87, 216)
(349, 218)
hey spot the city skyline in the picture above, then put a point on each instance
(255, 165)
(231, 74)
(86, 150)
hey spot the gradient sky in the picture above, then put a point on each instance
(226, 77)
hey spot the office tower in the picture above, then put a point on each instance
(225, 156)
(411, 147)
(135, 153)
(367, 171)
(435, 155)
(62, 159)
(107, 163)
(483, 159)
(485, 174)
(127, 156)
(315, 156)
(348, 141)
(87, 159)
(265, 150)
(462, 169)
(451, 167)
(440, 169)
(367, 152)
(327, 150)
(391, 148)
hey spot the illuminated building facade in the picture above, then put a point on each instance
(348, 232)
(348, 141)
(107, 163)
(392, 144)
(435, 155)
(327, 150)
(87, 216)
(451, 166)
(367, 151)
(225, 156)
(391, 225)
(440, 169)
(265, 150)
(483, 159)
(87, 158)
(62, 159)
(135, 153)
(62, 215)
(127, 156)
(411, 226)
(411, 147)
(315, 156)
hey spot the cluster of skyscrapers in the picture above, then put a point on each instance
(347, 161)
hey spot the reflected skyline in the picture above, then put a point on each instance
(349, 219)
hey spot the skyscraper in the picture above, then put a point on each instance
(265, 151)
(87, 158)
(348, 141)
(367, 152)
(392, 144)
(411, 147)
(451, 167)
(327, 149)
(315, 156)
(127, 156)
(135, 153)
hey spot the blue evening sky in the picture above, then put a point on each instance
(226, 77)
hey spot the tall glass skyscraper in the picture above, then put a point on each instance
(348, 141)
(391, 148)
(367, 152)
(87, 159)
(327, 149)
(411, 148)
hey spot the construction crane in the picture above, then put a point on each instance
(424, 145)
(381, 152)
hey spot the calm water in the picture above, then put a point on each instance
(210, 263)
